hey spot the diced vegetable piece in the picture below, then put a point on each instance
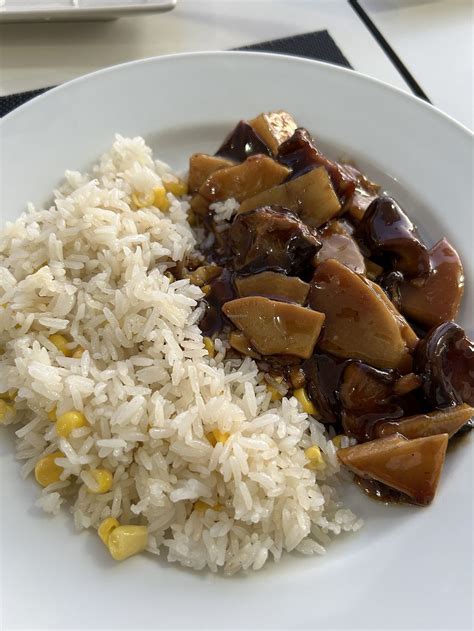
(410, 466)
(201, 166)
(308, 406)
(301, 155)
(310, 196)
(241, 143)
(258, 173)
(204, 274)
(407, 332)
(274, 128)
(359, 322)
(272, 285)
(338, 244)
(275, 327)
(445, 359)
(438, 298)
(372, 270)
(445, 421)
(271, 239)
(125, 541)
(240, 343)
(364, 194)
(199, 205)
(385, 228)
(407, 383)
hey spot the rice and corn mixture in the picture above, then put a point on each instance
(122, 412)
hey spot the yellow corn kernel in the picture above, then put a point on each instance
(336, 441)
(104, 478)
(216, 436)
(61, 344)
(52, 415)
(203, 507)
(69, 421)
(206, 289)
(125, 541)
(78, 352)
(306, 403)
(170, 277)
(9, 395)
(143, 200)
(47, 471)
(178, 188)
(209, 346)
(160, 200)
(276, 394)
(315, 457)
(5, 410)
(106, 528)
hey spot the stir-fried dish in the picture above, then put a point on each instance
(322, 278)
(190, 365)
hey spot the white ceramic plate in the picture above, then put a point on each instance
(78, 10)
(409, 567)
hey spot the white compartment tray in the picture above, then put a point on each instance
(67, 10)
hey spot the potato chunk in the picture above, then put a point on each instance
(410, 466)
(361, 323)
(256, 174)
(275, 328)
(310, 196)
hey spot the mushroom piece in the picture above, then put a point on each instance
(367, 395)
(438, 298)
(241, 143)
(275, 328)
(274, 128)
(412, 467)
(300, 154)
(273, 285)
(323, 374)
(201, 166)
(310, 196)
(445, 359)
(271, 239)
(361, 323)
(221, 291)
(258, 173)
(385, 228)
(338, 244)
(445, 421)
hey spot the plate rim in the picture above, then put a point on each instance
(257, 579)
(399, 92)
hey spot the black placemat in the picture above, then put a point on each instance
(316, 45)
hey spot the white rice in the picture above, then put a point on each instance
(93, 268)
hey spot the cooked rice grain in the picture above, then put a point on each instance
(92, 267)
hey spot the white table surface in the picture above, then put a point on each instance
(433, 39)
(38, 55)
